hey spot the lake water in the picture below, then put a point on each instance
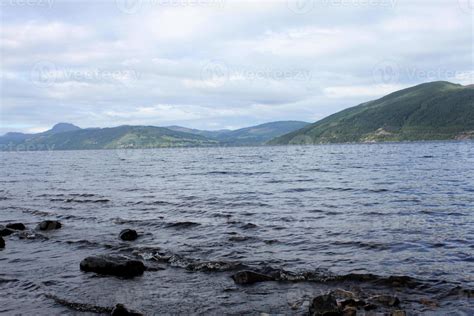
(385, 209)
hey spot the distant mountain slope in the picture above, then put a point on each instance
(108, 138)
(209, 134)
(430, 111)
(254, 135)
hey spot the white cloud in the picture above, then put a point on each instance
(149, 67)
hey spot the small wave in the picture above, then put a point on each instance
(182, 225)
(80, 307)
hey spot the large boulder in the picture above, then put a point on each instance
(250, 277)
(113, 265)
(49, 225)
(2, 243)
(121, 310)
(16, 226)
(128, 234)
(324, 305)
(5, 231)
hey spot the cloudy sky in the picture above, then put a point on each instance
(215, 64)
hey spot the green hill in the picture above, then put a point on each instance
(430, 111)
(248, 136)
(66, 136)
(107, 138)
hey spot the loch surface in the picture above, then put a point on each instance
(398, 209)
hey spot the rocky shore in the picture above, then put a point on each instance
(344, 299)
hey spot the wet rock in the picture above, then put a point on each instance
(399, 313)
(2, 243)
(49, 225)
(386, 300)
(340, 293)
(128, 235)
(121, 310)
(324, 305)
(5, 232)
(16, 226)
(113, 265)
(250, 277)
(349, 311)
(352, 303)
(429, 303)
(370, 307)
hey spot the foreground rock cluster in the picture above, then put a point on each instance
(346, 303)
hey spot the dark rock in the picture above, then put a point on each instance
(113, 265)
(16, 226)
(5, 232)
(370, 307)
(250, 277)
(349, 311)
(324, 305)
(352, 302)
(121, 310)
(2, 243)
(49, 225)
(128, 234)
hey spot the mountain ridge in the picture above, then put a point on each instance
(431, 111)
(66, 136)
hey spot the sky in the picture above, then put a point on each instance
(216, 64)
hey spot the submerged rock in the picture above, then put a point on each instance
(49, 225)
(113, 265)
(121, 310)
(16, 226)
(2, 243)
(250, 277)
(128, 234)
(386, 300)
(324, 305)
(5, 232)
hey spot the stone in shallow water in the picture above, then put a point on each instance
(324, 305)
(113, 265)
(2, 243)
(49, 225)
(16, 226)
(128, 234)
(5, 232)
(386, 300)
(121, 310)
(250, 277)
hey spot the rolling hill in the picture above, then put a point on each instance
(107, 138)
(430, 111)
(65, 136)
